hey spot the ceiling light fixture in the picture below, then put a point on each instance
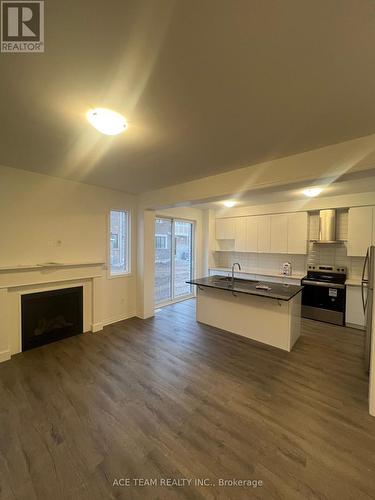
(311, 192)
(108, 122)
(229, 203)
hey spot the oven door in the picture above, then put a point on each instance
(324, 302)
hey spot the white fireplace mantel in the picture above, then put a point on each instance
(47, 265)
(18, 280)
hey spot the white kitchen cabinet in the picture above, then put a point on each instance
(354, 309)
(225, 229)
(246, 234)
(252, 224)
(279, 233)
(240, 235)
(360, 230)
(297, 233)
(264, 233)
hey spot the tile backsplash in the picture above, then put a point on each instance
(332, 254)
(258, 262)
(335, 255)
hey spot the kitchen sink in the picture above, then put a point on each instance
(238, 282)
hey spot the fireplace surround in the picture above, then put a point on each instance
(17, 281)
(51, 315)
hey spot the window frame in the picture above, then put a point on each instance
(128, 244)
(193, 268)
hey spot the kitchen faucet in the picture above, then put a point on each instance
(239, 268)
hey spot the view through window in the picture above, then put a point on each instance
(173, 259)
(119, 242)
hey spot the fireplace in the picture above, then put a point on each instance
(50, 316)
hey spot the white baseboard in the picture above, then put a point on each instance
(356, 327)
(140, 316)
(96, 327)
(116, 319)
(4, 356)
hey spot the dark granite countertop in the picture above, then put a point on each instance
(277, 290)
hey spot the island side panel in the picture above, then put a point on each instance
(295, 319)
(259, 318)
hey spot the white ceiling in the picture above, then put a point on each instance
(207, 86)
(351, 185)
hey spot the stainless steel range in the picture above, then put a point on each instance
(324, 294)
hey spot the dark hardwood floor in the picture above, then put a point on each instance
(169, 398)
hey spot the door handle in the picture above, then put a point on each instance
(364, 302)
(365, 265)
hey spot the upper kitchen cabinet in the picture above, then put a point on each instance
(225, 229)
(360, 230)
(240, 234)
(297, 233)
(252, 229)
(279, 233)
(264, 233)
(246, 234)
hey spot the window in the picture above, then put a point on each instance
(161, 242)
(119, 236)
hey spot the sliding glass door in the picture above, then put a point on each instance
(183, 257)
(163, 260)
(173, 259)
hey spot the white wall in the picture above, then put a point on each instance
(38, 211)
(145, 263)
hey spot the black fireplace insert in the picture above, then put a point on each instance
(50, 316)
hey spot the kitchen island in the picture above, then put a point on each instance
(271, 314)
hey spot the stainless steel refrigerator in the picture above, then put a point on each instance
(368, 278)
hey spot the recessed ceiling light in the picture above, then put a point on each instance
(229, 203)
(108, 122)
(311, 192)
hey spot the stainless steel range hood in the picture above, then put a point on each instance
(327, 227)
